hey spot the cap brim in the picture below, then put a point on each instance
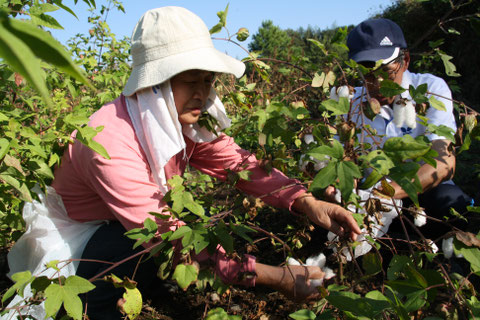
(386, 54)
(157, 71)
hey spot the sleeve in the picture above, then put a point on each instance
(125, 185)
(442, 93)
(216, 158)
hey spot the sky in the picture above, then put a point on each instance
(249, 14)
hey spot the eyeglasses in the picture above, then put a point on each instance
(385, 69)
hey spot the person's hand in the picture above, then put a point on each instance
(328, 215)
(293, 281)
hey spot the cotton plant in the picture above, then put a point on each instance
(316, 261)
(317, 164)
(378, 220)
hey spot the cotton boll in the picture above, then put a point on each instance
(398, 113)
(410, 115)
(318, 261)
(302, 164)
(420, 219)
(333, 93)
(432, 246)
(293, 262)
(344, 92)
(316, 282)
(329, 274)
(320, 164)
(308, 138)
(447, 247)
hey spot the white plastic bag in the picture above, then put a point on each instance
(50, 235)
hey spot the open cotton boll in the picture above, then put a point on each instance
(320, 164)
(410, 115)
(316, 282)
(318, 261)
(308, 138)
(293, 262)
(344, 92)
(398, 113)
(333, 93)
(432, 246)
(447, 247)
(420, 219)
(329, 274)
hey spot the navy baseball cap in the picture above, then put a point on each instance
(375, 39)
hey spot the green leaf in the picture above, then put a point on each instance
(303, 314)
(21, 279)
(371, 263)
(46, 21)
(85, 135)
(471, 254)
(379, 161)
(450, 68)
(67, 294)
(405, 175)
(418, 93)
(224, 237)
(400, 149)
(347, 171)
(220, 314)
(47, 48)
(185, 275)
(133, 302)
(334, 151)
(20, 57)
(437, 104)
(389, 88)
(324, 177)
(396, 266)
(340, 107)
(181, 232)
(4, 147)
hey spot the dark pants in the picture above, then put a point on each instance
(109, 244)
(437, 203)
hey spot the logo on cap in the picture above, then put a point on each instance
(386, 42)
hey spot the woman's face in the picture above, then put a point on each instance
(190, 91)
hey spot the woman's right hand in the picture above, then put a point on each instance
(293, 281)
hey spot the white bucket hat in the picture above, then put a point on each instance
(169, 40)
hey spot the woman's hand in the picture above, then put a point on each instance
(293, 281)
(327, 215)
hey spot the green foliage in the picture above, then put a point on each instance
(47, 94)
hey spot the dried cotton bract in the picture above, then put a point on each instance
(378, 223)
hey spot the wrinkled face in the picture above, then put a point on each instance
(190, 91)
(392, 71)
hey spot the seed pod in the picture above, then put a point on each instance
(346, 131)
(470, 122)
(371, 108)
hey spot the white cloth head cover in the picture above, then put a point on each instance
(155, 120)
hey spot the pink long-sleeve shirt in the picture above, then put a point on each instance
(122, 188)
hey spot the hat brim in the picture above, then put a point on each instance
(158, 71)
(386, 54)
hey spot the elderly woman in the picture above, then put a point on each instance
(151, 134)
